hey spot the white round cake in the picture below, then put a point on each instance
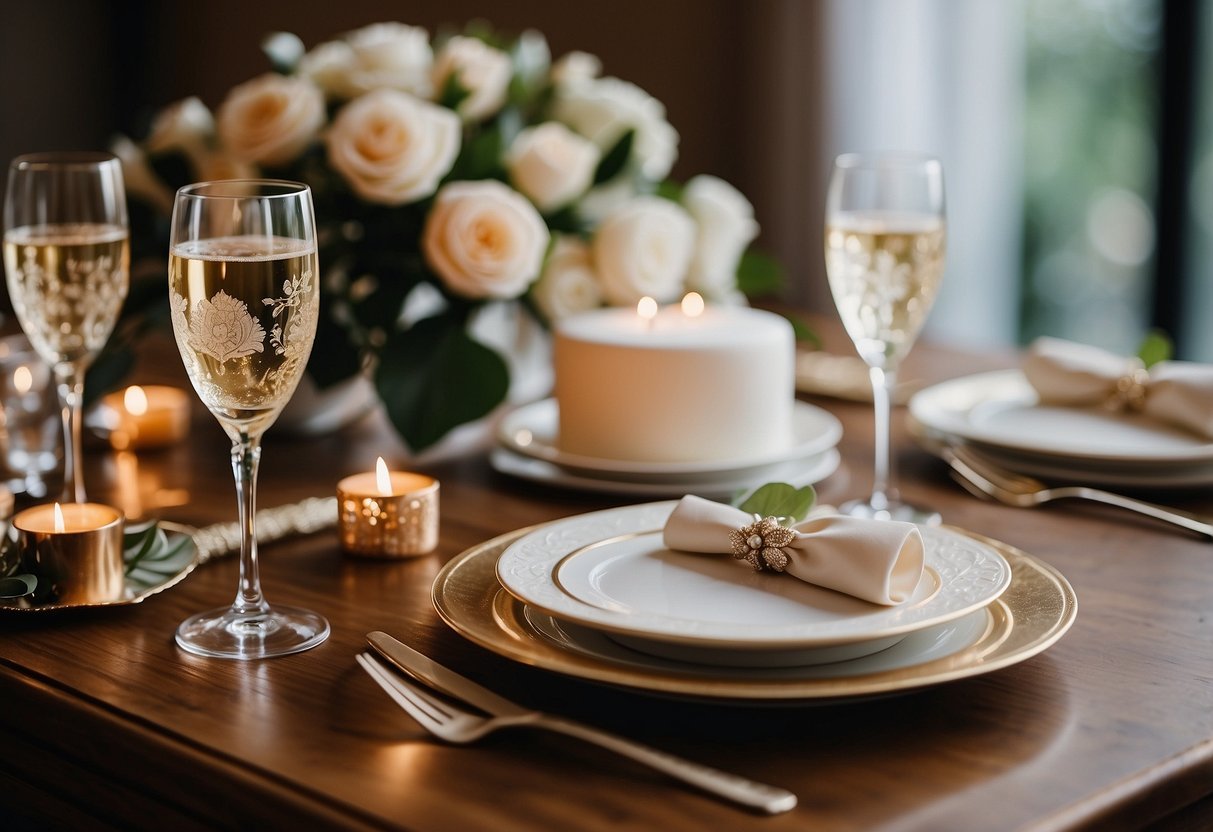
(719, 386)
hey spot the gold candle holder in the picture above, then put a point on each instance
(388, 514)
(76, 548)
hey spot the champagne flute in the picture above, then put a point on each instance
(885, 241)
(67, 263)
(244, 293)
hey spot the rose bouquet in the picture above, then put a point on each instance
(452, 176)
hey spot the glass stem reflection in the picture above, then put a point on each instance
(884, 492)
(70, 379)
(246, 455)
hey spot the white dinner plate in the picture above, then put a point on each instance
(1001, 409)
(608, 570)
(532, 431)
(798, 473)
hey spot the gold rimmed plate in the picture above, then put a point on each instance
(142, 581)
(1035, 611)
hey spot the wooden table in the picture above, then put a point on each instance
(106, 723)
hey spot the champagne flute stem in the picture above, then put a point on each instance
(246, 455)
(70, 379)
(884, 492)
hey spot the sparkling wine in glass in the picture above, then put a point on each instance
(885, 243)
(244, 293)
(67, 264)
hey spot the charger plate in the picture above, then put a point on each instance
(1035, 611)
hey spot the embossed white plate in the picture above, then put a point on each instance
(609, 570)
(532, 431)
(1001, 409)
(797, 473)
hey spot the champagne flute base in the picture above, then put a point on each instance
(228, 634)
(891, 511)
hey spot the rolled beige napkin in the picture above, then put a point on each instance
(876, 560)
(1072, 374)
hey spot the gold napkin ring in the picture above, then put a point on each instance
(1131, 388)
(761, 543)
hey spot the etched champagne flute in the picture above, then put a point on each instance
(67, 265)
(244, 299)
(885, 243)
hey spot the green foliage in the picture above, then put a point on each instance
(758, 275)
(433, 377)
(778, 499)
(616, 159)
(1157, 346)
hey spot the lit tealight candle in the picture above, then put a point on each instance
(147, 417)
(646, 310)
(692, 304)
(76, 548)
(388, 514)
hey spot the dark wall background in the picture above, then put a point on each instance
(739, 78)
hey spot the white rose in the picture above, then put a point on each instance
(574, 67)
(186, 126)
(551, 164)
(393, 148)
(568, 284)
(484, 239)
(271, 119)
(603, 109)
(644, 248)
(380, 56)
(480, 69)
(725, 225)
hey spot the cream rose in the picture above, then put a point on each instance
(644, 248)
(271, 119)
(551, 164)
(380, 56)
(575, 67)
(568, 284)
(186, 126)
(484, 239)
(480, 69)
(725, 225)
(393, 148)
(603, 109)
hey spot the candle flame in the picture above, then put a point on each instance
(646, 308)
(60, 526)
(692, 304)
(382, 479)
(23, 379)
(135, 400)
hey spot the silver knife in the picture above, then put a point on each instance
(770, 799)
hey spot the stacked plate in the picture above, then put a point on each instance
(999, 414)
(599, 597)
(528, 448)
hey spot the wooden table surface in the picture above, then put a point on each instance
(106, 723)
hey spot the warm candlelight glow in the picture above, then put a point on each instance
(23, 379)
(60, 526)
(692, 304)
(135, 401)
(383, 480)
(646, 308)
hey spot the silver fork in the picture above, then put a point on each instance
(454, 724)
(983, 478)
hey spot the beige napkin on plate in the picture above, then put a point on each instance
(876, 560)
(1072, 374)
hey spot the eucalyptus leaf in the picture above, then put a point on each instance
(433, 377)
(1157, 346)
(778, 499)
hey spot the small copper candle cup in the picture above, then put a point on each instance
(401, 523)
(82, 562)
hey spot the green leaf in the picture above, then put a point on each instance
(615, 159)
(480, 156)
(803, 332)
(758, 274)
(670, 190)
(453, 92)
(778, 499)
(18, 586)
(433, 377)
(1157, 346)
